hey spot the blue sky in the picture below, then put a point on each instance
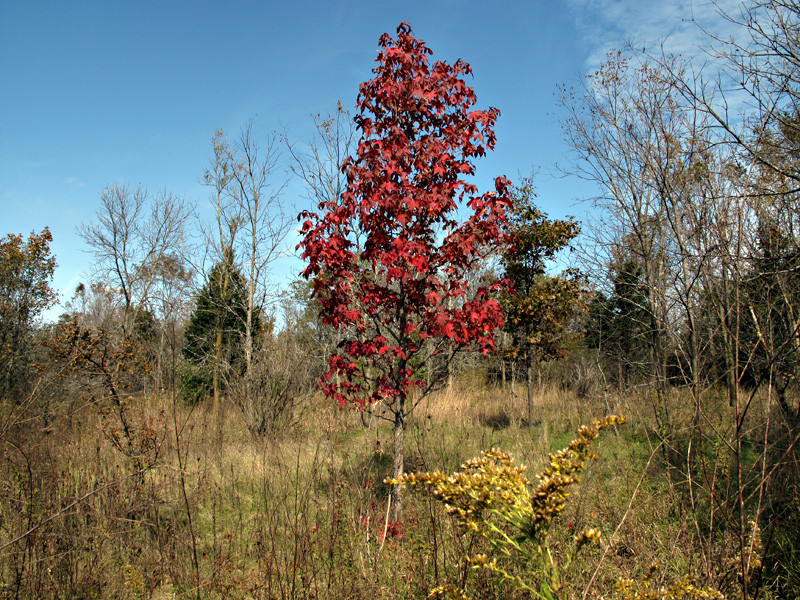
(97, 93)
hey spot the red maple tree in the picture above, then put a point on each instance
(390, 261)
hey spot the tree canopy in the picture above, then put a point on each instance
(26, 273)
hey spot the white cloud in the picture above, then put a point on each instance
(676, 24)
(74, 182)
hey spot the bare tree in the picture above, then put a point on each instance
(170, 301)
(688, 198)
(750, 87)
(318, 164)
(265, 224)
(248, 234)
(133, 232)
(634, 140)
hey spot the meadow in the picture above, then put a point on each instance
(205, 510)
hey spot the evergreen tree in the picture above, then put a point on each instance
(618, 323)
(214, 335)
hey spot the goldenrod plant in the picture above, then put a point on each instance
(682, 589)
(490, 496)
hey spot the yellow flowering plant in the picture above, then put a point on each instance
(490, 496)
(682, 589)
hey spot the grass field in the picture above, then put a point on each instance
(205, 511)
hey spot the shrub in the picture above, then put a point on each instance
(195, 380)
(491, 498)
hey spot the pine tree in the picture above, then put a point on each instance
(214, 335)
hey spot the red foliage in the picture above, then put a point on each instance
(389, 260)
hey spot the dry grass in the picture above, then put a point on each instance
(218, 514)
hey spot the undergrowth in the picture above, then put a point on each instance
(212, 512)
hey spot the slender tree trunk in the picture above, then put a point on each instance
(530, 388)
(727, 342)
(251, 290)
(215, 378)
(248, 340)
(450, 369)
(450, 352)
(217, 361)
(399, 430)
(513, 377)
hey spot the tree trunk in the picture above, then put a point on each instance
(450, 359)
(218, 340)
(530, 389)
(399, 430)
(513, 377)
(248, 340)
(217, 363)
